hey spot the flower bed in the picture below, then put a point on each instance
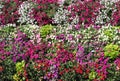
(59, 40)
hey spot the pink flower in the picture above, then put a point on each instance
(61, 1)
(118, 30)
(117, 62)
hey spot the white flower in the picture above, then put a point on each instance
(61, 16)
(103, 16)
(24, 10)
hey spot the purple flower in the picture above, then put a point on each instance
(70, 37)
(61, 36)
(77, 27)
(80, 54)
(14, 59)
(97, 26)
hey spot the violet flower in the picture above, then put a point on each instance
(61, 37)
(80, 54)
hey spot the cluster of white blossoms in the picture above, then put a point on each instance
(63, 25)
(10, 25)
(114, 1)
(105, 14)
(61, 16)
(24, 10)
(30, 30)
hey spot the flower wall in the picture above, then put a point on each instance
(59, 40)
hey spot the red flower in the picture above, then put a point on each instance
(1, 69)
(102, 77)
(87, 71)
(25, 75)
(59, 80)
(61, 73)
(27, 80)
(96, 65)
(66, 70)
(16, 1)
(79, 69)
(95, 80)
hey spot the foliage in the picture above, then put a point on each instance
(7, 31)
(45, 30)
(112, 51)
(20, 66)
(92, 75)
(8, 69)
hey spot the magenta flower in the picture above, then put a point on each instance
(117, 63)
